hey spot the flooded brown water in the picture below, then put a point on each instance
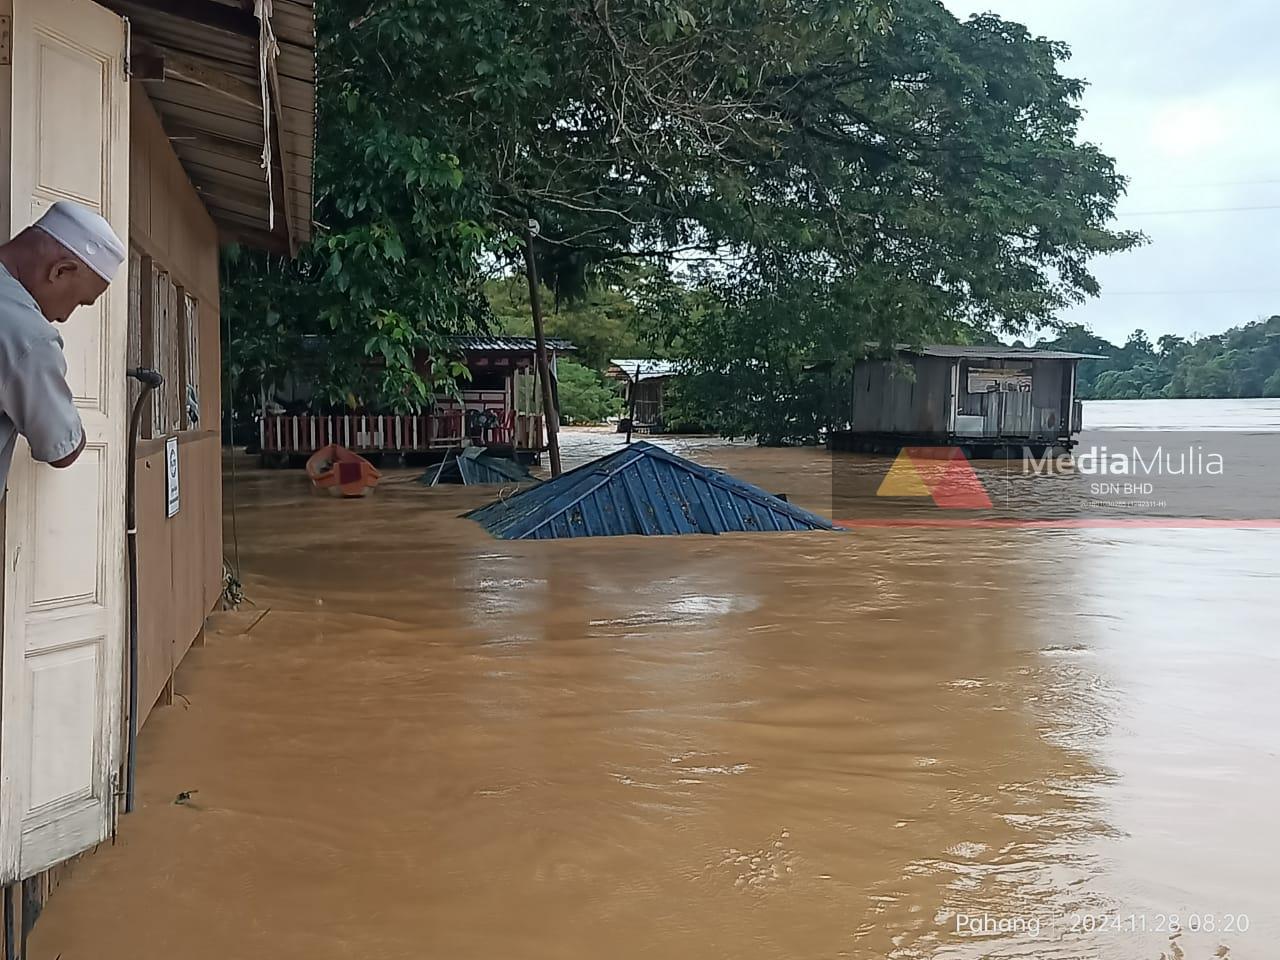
(890, 743)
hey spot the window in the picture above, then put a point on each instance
(162, 353)
(133, 353)
(164, 334)
(191, 363)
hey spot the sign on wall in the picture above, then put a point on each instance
(999, 380)
(171, 476)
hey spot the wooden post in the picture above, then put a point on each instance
(632, 389)
(549, 413)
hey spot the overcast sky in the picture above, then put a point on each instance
(1186, 96)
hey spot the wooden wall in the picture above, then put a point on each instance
(179, 559)
(1040, 413)
(887, 398)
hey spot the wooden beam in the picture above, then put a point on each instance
(232, 188)
(146, 66)
(288, 175)
(193, 70)
(258, 239)
(207, 13)
(194, 154)
(220, 125)
(181, 133)
(252, 208)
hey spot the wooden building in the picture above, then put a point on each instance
(185, 124)
(500, 408)
(645, 385)
(988, 399)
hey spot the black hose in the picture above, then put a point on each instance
(150, 379)
(10, 943)
(32, 907)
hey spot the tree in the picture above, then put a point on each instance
(1242, 362)
(400, 227)
(1272, 387)
(920, 184)
(584, 395)
(602, 323)
(876, 171)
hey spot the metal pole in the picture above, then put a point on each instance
(544, 368)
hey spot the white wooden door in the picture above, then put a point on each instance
(64, 574)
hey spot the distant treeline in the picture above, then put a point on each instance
(1242, 362)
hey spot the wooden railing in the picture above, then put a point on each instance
(528, 431)
(304, 434)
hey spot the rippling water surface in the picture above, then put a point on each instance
(887, 743)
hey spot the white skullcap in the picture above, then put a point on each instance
(85, 234)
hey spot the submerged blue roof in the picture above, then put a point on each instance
(641, 489)
(473, 466)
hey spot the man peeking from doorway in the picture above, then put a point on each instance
(65, 260)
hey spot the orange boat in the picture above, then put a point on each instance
(341, 472)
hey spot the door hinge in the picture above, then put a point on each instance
(127, 64)
(6, 40)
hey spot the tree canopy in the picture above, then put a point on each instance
(797, 177)
(1242, 362)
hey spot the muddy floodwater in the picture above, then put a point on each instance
(887, 743)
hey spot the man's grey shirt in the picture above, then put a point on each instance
(35, 400)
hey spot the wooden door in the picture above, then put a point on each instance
(64, 553)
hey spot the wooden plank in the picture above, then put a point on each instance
(183, 135)
(155, 584)
(221, 123)
(199, 104)
(246, 223)
(221, 199)
(206, 163)
(297, 232)
(253, 237)
(223, 178)
(294, 22)
(205, 13)
(297, 63)
(193, 70)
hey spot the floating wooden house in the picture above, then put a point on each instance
(642, 489)
(645, 386)
(498, 408)
(990, 400)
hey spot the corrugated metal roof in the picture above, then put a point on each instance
(645, 490)
(649, 369)
(474, 467)
(990, 352)
(207, 89)
(512, 344)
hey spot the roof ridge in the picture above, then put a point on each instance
(614, 495)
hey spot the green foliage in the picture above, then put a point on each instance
(924, 184)
(585, 396)
(392, 270)
(801, 176)
(1243, 362)
(603, 323)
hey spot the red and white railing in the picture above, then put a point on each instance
(304, 434)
